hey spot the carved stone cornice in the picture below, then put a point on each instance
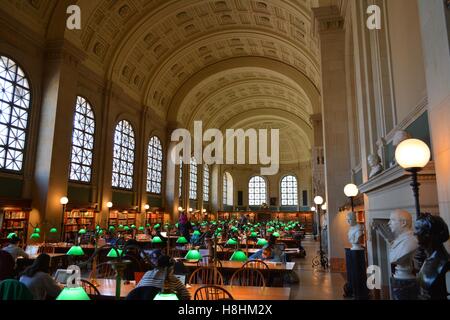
(65, 51)
(327, 19)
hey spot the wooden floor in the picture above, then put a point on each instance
(315, 285)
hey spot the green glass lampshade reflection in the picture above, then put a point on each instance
(77, 293)
(75, 251)
(82, 231)
(261, 242)
(232, 242)
(156, 240)
(113, 253)
(11, 235)
(182, 240)
(238, 255)
(35, 236)
(193, 255)
(126, 228)
(196, 233)
(141, 228)
(166, 296)
(276, 234)
(53, 230)
(133, 226)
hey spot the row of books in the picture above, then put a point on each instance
(15, 215)
(80, 214)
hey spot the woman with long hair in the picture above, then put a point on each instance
(38, 280)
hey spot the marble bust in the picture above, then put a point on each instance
(399, 137)
(355, 232)
(375, 165)
(404, 245)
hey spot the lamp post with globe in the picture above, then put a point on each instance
(321, 259)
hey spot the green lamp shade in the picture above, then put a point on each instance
(197, 233)
(100, 232)
(126, 228)
(270, 230)
(182, 240)
(82, 231)
(176, 224)
(97, 227)
(156, 240)
(37, 230)
(120, 226)
(113, 253)
(193, 255)
(75, 251)
(148, 225)
(261, 242)
(53, 230)
(232, 242)
(141, 228)
(157, 226)
(111, 228)
(77, 293)
(253, 234)
(219, 229)
(133, 226)
(11, 235)
(276, 234)
(238, 255)
(166, 296)
(35, 236)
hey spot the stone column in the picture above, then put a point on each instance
(435, 27)
(55, 131)
(335, 127)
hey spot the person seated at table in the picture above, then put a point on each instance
(263, 254)
(14, 250)
(196, 238)
(163, 277)
(6, 266)
(38, 280)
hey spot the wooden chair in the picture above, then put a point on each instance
(206, 275)
(208, 261)
(256, 264)
(212, 292)
(90, 289)
(248, 277)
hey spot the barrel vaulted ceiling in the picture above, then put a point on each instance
(155, 49)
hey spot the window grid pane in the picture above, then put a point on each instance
(289, 191)
(180, 181)
(154, 165)
(193, 179)
(123, 156)
(206, 183)
(257, 191)
(225, 189)
(82, 142)
(15, 100)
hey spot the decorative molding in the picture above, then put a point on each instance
(65, 51)
(327, 19)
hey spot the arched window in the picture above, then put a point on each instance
(257, 191)
(227, 189)
(123, 156)
(15, 99)
(82, 142)
(180, 180)
(289, 193)
(193, 179)
(205, 183)
(154, 165)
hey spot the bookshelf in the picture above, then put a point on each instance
(14, 217)
(125, 218)
(76, 219)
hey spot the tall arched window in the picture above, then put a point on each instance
(289, 193)
(123, 156)
(15, 99)
(154, 165)
(193, 179)
(227, 192)
(82, 142)
(205, 183)
(257, 191)
(180, 180)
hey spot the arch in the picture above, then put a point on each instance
(154, 165)
(83, 141)
(257, 191)
(289, 190)
(15, 103)
(124, 148)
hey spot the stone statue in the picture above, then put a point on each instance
(399, 136)
(404, 245)
(432, 232)
(375, 165)
(355, 232)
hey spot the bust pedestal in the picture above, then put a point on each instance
(356, 274)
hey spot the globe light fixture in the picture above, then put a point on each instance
(180, 208)
(324, 206)
(313, 209)
(351, 191)
(109, 204)
(146, 207)
(190, 209)
(318, 200)
(63, 201)
(413, 155)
